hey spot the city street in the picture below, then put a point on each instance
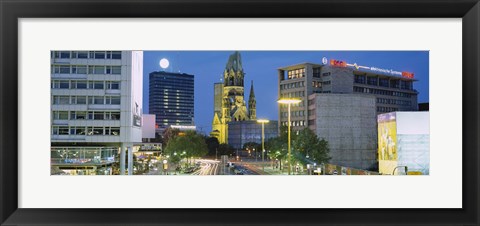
(207, 167)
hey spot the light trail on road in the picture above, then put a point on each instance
(207, 167)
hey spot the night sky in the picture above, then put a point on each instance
(261, 67)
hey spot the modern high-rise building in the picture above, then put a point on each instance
(229, 103)
(96, 110)
(393, 90)
(171, 99)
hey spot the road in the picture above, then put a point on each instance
(207, 167)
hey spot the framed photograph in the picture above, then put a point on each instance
(251, 113)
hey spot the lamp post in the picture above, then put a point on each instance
(289, 102)
(165, 166)
(263, 121)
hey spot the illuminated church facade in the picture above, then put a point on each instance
(229, 102)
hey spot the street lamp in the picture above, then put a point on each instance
(263, 121)
(165, 166)
(289, 102)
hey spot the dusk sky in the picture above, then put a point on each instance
(261, 67)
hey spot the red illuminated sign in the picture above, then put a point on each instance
(407, 74)
(338, 63)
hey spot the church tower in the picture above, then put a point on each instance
(233, 105)
(252, 104)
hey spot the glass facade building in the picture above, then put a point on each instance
(242, 132)
(171, 98)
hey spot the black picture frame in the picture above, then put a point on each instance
(12, 10)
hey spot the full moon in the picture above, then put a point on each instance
(164, 63)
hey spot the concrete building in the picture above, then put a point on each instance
(229, 103)
(242, 132)
(404, 143)
(96, 110)
(348, 123)
(393, 90)
(171, 99)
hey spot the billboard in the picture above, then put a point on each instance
(387, 137)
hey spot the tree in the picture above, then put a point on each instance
(169, 134)
(212, 145)
(322, 153)
(308, 145)
(225, 149)
(277, 148)
(188, 145)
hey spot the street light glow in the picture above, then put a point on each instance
(263, 121)
(289, 101)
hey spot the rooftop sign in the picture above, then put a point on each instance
(339, 63)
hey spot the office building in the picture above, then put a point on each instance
(229, 103)
(340, 102)
(96, 110)
(393, 90)
(171, 99)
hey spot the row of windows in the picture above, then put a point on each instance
(285, 106)
(294, 123)
(394, 101)
(292, 85)
(293, 94)
(82, 84)
(108, 100)
(161, 108)
(293, 114)
(187, 93)
(86, 69)
(316, 73)
(384, 82)
(86, 115)
(83, 130)
(298, 73)
(116, 55)
(381, 92)
(386, 109)
(172, 97)
(164, 87)
(320, 91)
(183, 103)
